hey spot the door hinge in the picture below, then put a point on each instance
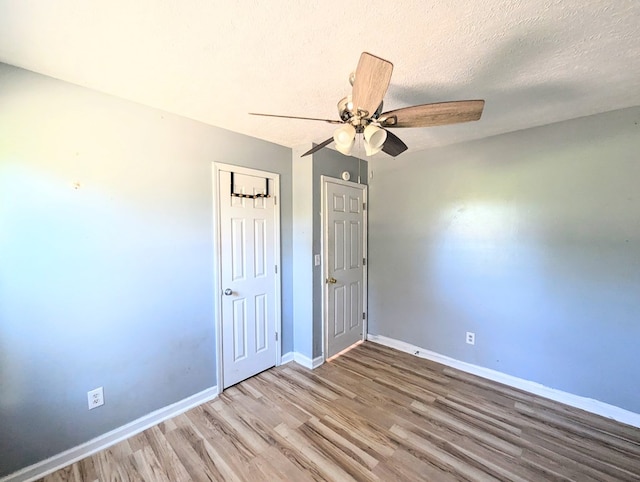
(276, 336)
(363, 316)
(364, 206)
(275, 200)
(364, 261)
(276, 267)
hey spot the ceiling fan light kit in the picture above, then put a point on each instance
(361, 112)
(345, 137)
(374, 138)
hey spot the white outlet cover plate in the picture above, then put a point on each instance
(95, 398)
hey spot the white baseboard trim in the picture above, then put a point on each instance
(45, 467)
(588, 404)
(317, 361)
(287, 358)
(301, 359)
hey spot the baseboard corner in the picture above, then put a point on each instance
(287, 358)
(307, 362)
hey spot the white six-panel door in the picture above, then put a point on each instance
(344, 225)
(247, 277)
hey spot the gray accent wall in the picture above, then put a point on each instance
(531, 240)
(106, 267)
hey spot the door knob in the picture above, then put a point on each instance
(332, 280)
(228, 292)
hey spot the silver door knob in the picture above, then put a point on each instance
(228, 292)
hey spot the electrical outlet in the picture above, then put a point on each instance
(471, 338)
(95, 398)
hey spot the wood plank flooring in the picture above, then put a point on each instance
(372, 414)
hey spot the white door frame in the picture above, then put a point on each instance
(217, 261)
(325, 259)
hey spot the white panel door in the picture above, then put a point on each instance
(344, 266)
(248, 278)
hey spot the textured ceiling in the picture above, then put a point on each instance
(533, 62)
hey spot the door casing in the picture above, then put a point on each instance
(218, 259)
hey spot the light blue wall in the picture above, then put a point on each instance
(109, 284)
(531, 240)
(302, 237)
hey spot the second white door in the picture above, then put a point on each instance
(344, 249)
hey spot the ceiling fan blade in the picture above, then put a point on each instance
(330, 121)
(318, 147)
(393, 145)
(428, 115)
(373, 75)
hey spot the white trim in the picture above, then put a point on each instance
(590, 405)
(303, 360)
(50, 465)
(287, 358)
(317, 361)
(217, 256)
(324, 243)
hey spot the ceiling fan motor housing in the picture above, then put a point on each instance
(345, 111)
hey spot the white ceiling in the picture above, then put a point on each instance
(534, 62)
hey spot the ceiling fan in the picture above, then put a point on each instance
(361, 112)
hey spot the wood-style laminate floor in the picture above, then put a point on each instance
(372, 414)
